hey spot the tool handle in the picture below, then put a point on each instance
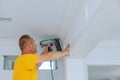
(50, 48)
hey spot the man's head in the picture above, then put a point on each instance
(27, 44)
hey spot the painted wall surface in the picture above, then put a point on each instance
(76, 69)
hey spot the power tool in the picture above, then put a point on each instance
(50, 42)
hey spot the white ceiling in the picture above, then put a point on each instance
(58, 18)
(39, 17)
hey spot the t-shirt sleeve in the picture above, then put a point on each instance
(31, 62)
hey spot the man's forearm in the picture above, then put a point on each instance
(53, 55)
(45, 50)
(57, 55)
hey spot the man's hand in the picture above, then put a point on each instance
(67, 50)
(46, 49)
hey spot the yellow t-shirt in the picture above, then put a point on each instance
(25, 67)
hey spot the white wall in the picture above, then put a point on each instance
(8, 46)
(76, 69)
(104, 61)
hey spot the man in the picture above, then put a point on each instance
(25, 66)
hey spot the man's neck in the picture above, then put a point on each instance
(27, 52)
